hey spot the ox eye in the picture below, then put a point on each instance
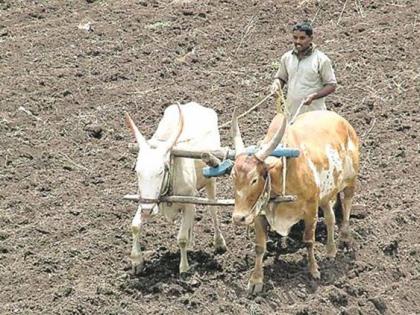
(254, 181)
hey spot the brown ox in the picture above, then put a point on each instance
(327, 165)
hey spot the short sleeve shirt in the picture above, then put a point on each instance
(303, 77)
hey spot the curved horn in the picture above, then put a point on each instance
(135, 131)
(269, 147)
(174, 137)
(236, 134)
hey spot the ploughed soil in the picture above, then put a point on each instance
(69, 71)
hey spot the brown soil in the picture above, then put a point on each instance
(65, 165)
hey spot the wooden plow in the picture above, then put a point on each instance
(220, 162)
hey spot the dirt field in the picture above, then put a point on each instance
(64, 162)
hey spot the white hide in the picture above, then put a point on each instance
(200, 132)
(200, 127)
(326, 176)
(150, 168)
(348, 167)
(283, 221)
(314, 173)
(324, 179)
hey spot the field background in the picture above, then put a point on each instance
(65, 165)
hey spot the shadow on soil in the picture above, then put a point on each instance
(279, 272)
(161, 273)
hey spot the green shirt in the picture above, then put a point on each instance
(305, 76)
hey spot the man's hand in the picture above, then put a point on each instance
(275, 86)
(308, 100)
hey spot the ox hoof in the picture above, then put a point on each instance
(184, 269)
(220, 245)
(345, 237)
(331, 251)
(346, 243)
(184, 276)
(254, 288)
(316, 274)
(190, 244)
(137, 263)
(136, 268)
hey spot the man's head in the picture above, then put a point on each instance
(302, 35)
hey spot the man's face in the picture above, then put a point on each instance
(301, 40)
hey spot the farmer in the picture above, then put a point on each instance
(307, 72)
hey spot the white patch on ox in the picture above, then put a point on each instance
(315, 173)
(281, 222)
(350, 145)
(283, 225)
(137, 219)
(240, 193)
(348, 168)
(327, 175)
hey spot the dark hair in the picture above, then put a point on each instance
(304, 26)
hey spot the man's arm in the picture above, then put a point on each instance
(281, 76)
(276, 85)
(326, 90)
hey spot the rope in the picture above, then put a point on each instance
(166, 188)
(284, 173)
(284, 176)
(280, 109)
(280, 102)
(280, 105)
(296, 114)
(248, 111)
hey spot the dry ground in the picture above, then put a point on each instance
(64, 162)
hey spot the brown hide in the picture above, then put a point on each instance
(328, 163)
(311, 133)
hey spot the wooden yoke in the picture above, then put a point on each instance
(210, 159)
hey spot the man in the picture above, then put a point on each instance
(307, 72)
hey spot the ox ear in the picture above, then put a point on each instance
(269, 147)
(135, 131)
(175, 135)
(236, 134)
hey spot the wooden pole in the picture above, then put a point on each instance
(210, 159)
(206, 201)
(221, 154)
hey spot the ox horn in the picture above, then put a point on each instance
(141, 141)
(175, 136)
(236, 134)
(269, 147)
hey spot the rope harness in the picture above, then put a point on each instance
(261, 203)
(280, 109)
(263, 199)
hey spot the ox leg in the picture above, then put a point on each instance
(309, 240)
(330, 221)
(136, 256)
(346, 205)
(255, 283)
(219, 241)
(184, 236)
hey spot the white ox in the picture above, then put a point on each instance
(327, 165)
(188, 127)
